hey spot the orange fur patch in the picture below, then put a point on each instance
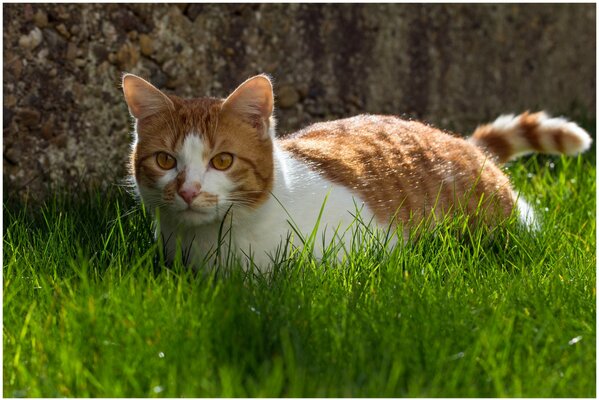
(403, 166)
(529, 124)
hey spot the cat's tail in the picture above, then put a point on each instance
(509, 136)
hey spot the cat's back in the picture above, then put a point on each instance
(392, 163)
(344, 138)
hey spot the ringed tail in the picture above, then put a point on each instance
(510, 137)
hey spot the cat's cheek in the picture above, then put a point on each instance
(218, 183)
(167, 185)
(172, 198)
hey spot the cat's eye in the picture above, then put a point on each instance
(222, 161)
(165, 160)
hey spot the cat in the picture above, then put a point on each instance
(206, 165)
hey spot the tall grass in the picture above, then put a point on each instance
(91, 310)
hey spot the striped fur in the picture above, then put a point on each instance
(403, 169)
(510, 137)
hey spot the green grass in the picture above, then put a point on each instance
(88, 312)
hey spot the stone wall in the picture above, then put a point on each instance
(454, 66)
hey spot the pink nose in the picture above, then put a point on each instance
(188, 194)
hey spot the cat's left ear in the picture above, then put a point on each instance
(253, 101)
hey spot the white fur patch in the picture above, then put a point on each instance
(298, 196)
(576, 140)
(198, 171)
(191, 151)
(526, 214)
(505, 122)
(189, 159)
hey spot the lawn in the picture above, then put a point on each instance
(90, 310)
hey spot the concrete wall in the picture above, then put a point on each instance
(452, 65)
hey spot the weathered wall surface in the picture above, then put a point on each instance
(453, 65)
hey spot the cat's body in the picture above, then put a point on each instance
(216, 177)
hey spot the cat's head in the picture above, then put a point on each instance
(194, 159)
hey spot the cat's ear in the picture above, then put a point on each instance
(253, 101)
(143, 98)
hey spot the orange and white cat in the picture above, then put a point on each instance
(201, 164)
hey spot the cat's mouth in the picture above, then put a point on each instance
(197, 216)
(198, 211)
(203, 209)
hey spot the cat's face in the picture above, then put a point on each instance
(193, 160)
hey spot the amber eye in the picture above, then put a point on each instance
(165, 160)
(222, 161)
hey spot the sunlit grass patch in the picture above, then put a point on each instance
(90, 310)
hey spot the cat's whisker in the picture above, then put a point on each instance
(241, 201)
(238, 203)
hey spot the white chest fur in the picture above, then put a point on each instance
(298, 197)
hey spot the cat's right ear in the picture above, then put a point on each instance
(143, 98)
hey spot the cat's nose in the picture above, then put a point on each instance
(189, 193)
